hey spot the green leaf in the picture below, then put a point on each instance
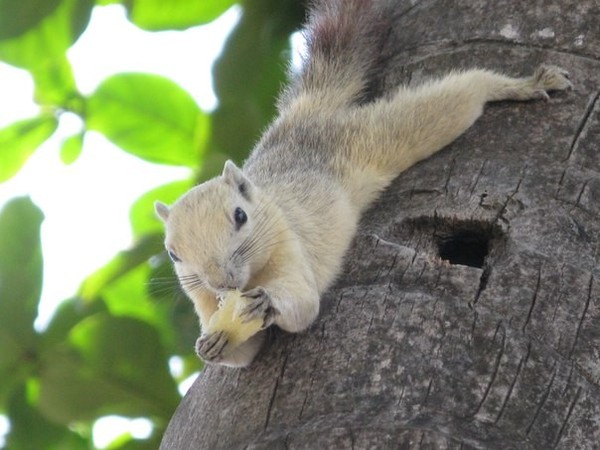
(71, 148)
(133, 286)
(20, 268)
(154, 15)
(20, 15)
(138, 360)
(44, 35)
(150, 117)
(55, 85)
(119, 367)
(19, 140)
(40, 46)
(20, 287)
(127, 442)
(68, 314)
(30, 430)
(121, 264)
(15, 364)
(143, 217)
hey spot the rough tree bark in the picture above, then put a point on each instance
(468, 315)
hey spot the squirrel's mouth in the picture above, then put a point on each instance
(232, 280)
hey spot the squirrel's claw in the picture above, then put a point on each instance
(258, 304)
(550, 78)
(210, 346)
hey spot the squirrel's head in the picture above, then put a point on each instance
(215, 232)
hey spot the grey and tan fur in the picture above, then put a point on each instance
(317, 168)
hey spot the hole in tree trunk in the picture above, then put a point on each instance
(462, 242)
(465, 248)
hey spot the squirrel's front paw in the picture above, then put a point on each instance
(210, 346)
(258, 304)
(550, 78)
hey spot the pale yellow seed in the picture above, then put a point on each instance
(227, 318)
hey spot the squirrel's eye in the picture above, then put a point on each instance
(240, 217)
(173, 256)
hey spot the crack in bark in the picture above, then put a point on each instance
(483, 282)
(543, 401)
(409, 265)
(401, 397)
(428, 392)
(311, 378)
(273, 394)
(450, 170)
(568, 382)
(392, 266)
(386, 303)
(495, 370)
(582, 125)
(352, 438)
(395, 246)
(475, 316)
(564, 424)
(423, 269)
(527, 45)
(585, 308)
(286, 442)
(534, 299)
(509, 197)
(522, 363)
(560, 183)
(585, 184)
(443, 47)
(478, 177)
(337, 306)
(407, 11)
(361, 309)
(379, 239)
(370, 323)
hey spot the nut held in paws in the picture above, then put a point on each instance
(227, 318)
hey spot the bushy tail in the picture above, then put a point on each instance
(344, 39)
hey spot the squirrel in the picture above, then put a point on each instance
(277, 229)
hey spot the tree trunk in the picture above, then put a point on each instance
(468, 315)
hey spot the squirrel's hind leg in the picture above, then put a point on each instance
(393, 134)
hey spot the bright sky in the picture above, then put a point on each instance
(86, 204)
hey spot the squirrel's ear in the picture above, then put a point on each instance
(235, 177)
(162, 211)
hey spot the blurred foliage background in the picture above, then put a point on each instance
(106, 351)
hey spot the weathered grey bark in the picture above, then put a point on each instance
(474, 351)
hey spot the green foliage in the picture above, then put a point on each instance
(20, 268)
(106, 351)
(250, 73)
(20, 286)
(30, 429)
(71, 148)
(166, 127)
(92, 376)
(19, 140)
(45, 35)
(154, 15)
